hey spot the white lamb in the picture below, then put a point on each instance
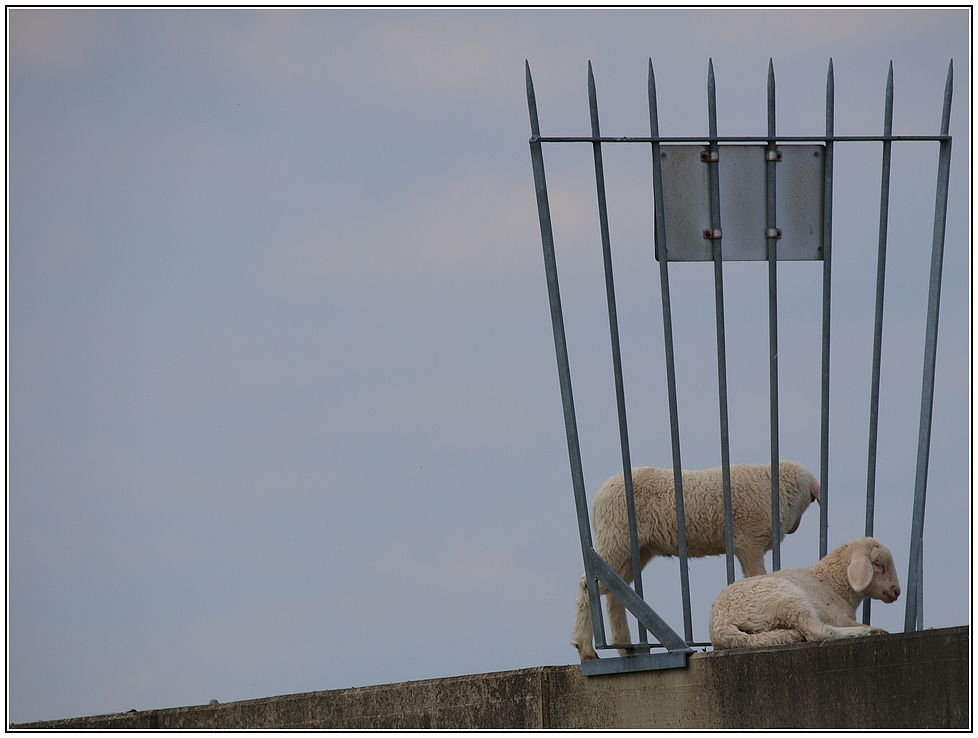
(655, 512)
(817, 603)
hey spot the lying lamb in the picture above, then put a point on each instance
(655, 512)
(817, 603)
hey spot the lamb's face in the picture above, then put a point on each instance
(885, 585)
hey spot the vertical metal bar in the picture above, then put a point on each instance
(823, 521)
(720, 323)
(615, 344)
(874, 400)
(920, 588)
(563, 366)
(772, 284)
(914, 618)
(660, 232)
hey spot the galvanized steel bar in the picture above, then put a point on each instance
(772, 288)
(823, 520)
(920, 589)
(660, 234)
(715, 224)
(874, 399)
(563, 366)
(615, 343)
(914, 614)
(728, 139)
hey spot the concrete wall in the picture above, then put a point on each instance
(904, 680)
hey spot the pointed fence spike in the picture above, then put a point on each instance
(946, 118)
(711, 100)
(711, 90)
(830, 101)
(653, 103)
(888, 107)
(531, 102)
(592, 97)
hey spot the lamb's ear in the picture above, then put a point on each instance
(860, 571)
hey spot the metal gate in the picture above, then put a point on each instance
(783, 211)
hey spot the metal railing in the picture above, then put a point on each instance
(668, 191)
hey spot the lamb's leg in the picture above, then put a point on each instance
(815, 630)
(618, 623)
(841, 620)
(807, 623)
(751, 560)
(583, 629)
(617, 619)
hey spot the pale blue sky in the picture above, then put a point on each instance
(283, 412)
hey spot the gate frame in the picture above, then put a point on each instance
(596, 569)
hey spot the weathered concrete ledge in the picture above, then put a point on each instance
(903, 680)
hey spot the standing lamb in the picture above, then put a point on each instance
(817, 603)
(655, 512)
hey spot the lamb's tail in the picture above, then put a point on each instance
(730, 636)
(583, 629)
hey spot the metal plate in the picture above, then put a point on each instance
(800, 177)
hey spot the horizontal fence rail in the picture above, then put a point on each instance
(777, 203)
(728, 139)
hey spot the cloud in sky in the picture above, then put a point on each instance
(469, 229)
(53, 41)
(283, 413)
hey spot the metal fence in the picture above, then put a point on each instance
(787, 182)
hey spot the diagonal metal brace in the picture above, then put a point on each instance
(636, 605)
